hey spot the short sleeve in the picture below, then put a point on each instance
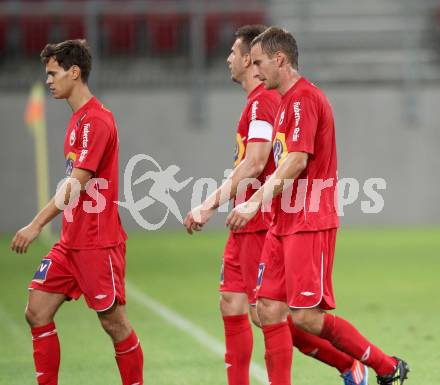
(302, 125)
(94, 137)
(262, 108)
(260, 117)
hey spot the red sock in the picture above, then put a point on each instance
(239, 343)
(46, 354)
(319, 348)
(130, 360)
(345, 337)
(278, 341)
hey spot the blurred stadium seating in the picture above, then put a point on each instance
(344, 41)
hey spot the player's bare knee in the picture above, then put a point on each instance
(233, 304)
(270, 311)
(36, 317)
(115, 322)
(115, 327)
(307, 319)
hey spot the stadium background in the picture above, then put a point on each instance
(160, 67)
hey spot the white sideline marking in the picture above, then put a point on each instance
(175, 319)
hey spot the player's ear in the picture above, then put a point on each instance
(76, 72)
(247, 61)
(280, 58)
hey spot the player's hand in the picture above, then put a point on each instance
(241, 215)
(197, 218)
(24, 237)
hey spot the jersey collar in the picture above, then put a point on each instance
(255, 90)
(293, 88)
(86, 106)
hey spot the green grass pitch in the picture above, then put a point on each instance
(386, 283)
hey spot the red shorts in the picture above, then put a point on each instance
(240, 263)
(98, 274)
(297, 269)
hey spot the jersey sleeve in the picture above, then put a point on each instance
(261, 116)
(302, 125)
(94, 137)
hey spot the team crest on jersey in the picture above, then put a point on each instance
(261, 268)
(279, 148)
(72, 137)
(70, 160)
(41, 273)
(239, 150)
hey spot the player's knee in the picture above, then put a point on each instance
(271, 312)
(117, 330)
(232, 304)
(115, 324)
(36, 317)
(306, 319)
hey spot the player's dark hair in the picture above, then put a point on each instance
(69, 53)
(246, 34)
(274, 40)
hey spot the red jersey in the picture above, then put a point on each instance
(91, 143)
(256, 125)
(305, 123)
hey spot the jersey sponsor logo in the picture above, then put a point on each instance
(261, 268)
(239, 150)
(86, 130)
(70, 160)
(307, 293)
(254, 110)
(279, 148)
(83, 155)
(72, 137)
(295, 136)
(297, 113)
(41, 273)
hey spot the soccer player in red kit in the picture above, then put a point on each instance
(89, 258)
(243, 249)
(297, 258)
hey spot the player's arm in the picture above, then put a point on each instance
(298, 148)
(68, 192)
(257, 154)
(294, 164)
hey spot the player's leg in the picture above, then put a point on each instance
(314, 346)
(101, 277)
(272, 312)
(345, 337)
(40, 312)
(305, 298)
(234, 310)
(129, 356)
(321, 350)
(51, 285)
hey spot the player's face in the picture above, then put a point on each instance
(265, 68)
(59, 80)
(235, 62)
